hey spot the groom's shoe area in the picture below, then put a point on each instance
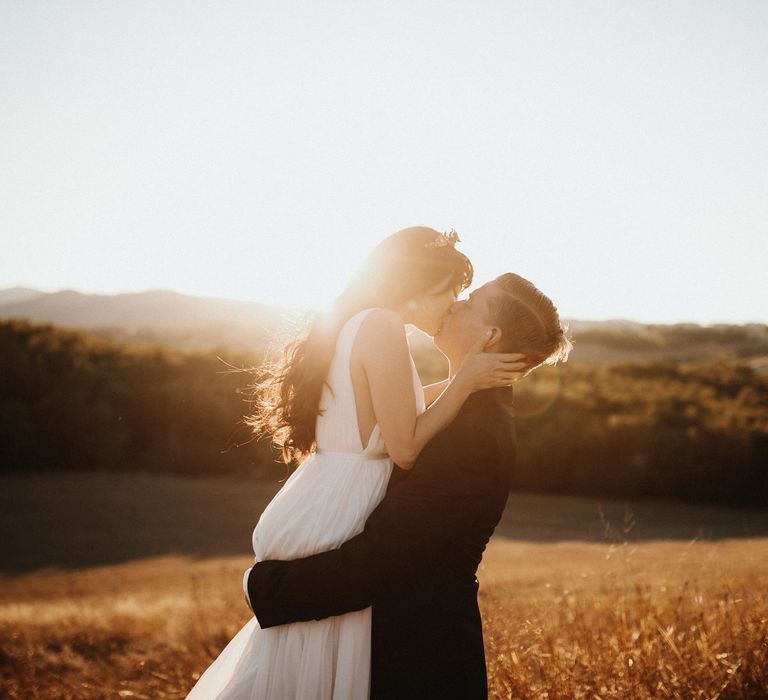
(416, 560)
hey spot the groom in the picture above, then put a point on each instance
(415, 562)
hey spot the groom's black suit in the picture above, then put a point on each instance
(415, 562)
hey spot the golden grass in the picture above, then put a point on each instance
(650, 620)
(657, 619)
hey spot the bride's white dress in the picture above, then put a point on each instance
(325, 502)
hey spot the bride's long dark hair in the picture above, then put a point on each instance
(404, 266)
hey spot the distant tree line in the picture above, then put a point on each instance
(741, 341)
(69, 401)
(687, 431)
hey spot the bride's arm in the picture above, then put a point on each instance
(385, 358)
(432, 391)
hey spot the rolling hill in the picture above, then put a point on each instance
(199, 323)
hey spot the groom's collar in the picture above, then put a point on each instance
(487, 398)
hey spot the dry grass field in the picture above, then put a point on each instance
(599, 605)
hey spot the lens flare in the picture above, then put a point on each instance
(537, 392)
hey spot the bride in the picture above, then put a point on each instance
(346, 402)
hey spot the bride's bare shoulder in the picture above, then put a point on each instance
(382, 318)
(382, 330)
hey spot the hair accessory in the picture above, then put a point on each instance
(444, 239)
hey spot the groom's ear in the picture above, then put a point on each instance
(494, 341)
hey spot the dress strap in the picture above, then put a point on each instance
(342, 380)
(344, 345)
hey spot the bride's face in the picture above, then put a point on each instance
(428, 311)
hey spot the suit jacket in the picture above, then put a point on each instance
(415, 562)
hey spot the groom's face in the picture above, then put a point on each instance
(465, 322)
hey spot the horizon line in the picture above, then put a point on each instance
(303, 309)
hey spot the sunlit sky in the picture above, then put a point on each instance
(614, 153)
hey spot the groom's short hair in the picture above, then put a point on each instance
(528, 320)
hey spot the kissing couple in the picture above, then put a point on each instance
(364, 583)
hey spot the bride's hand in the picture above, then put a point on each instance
(486, 370)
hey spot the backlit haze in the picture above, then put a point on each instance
(614, 153)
